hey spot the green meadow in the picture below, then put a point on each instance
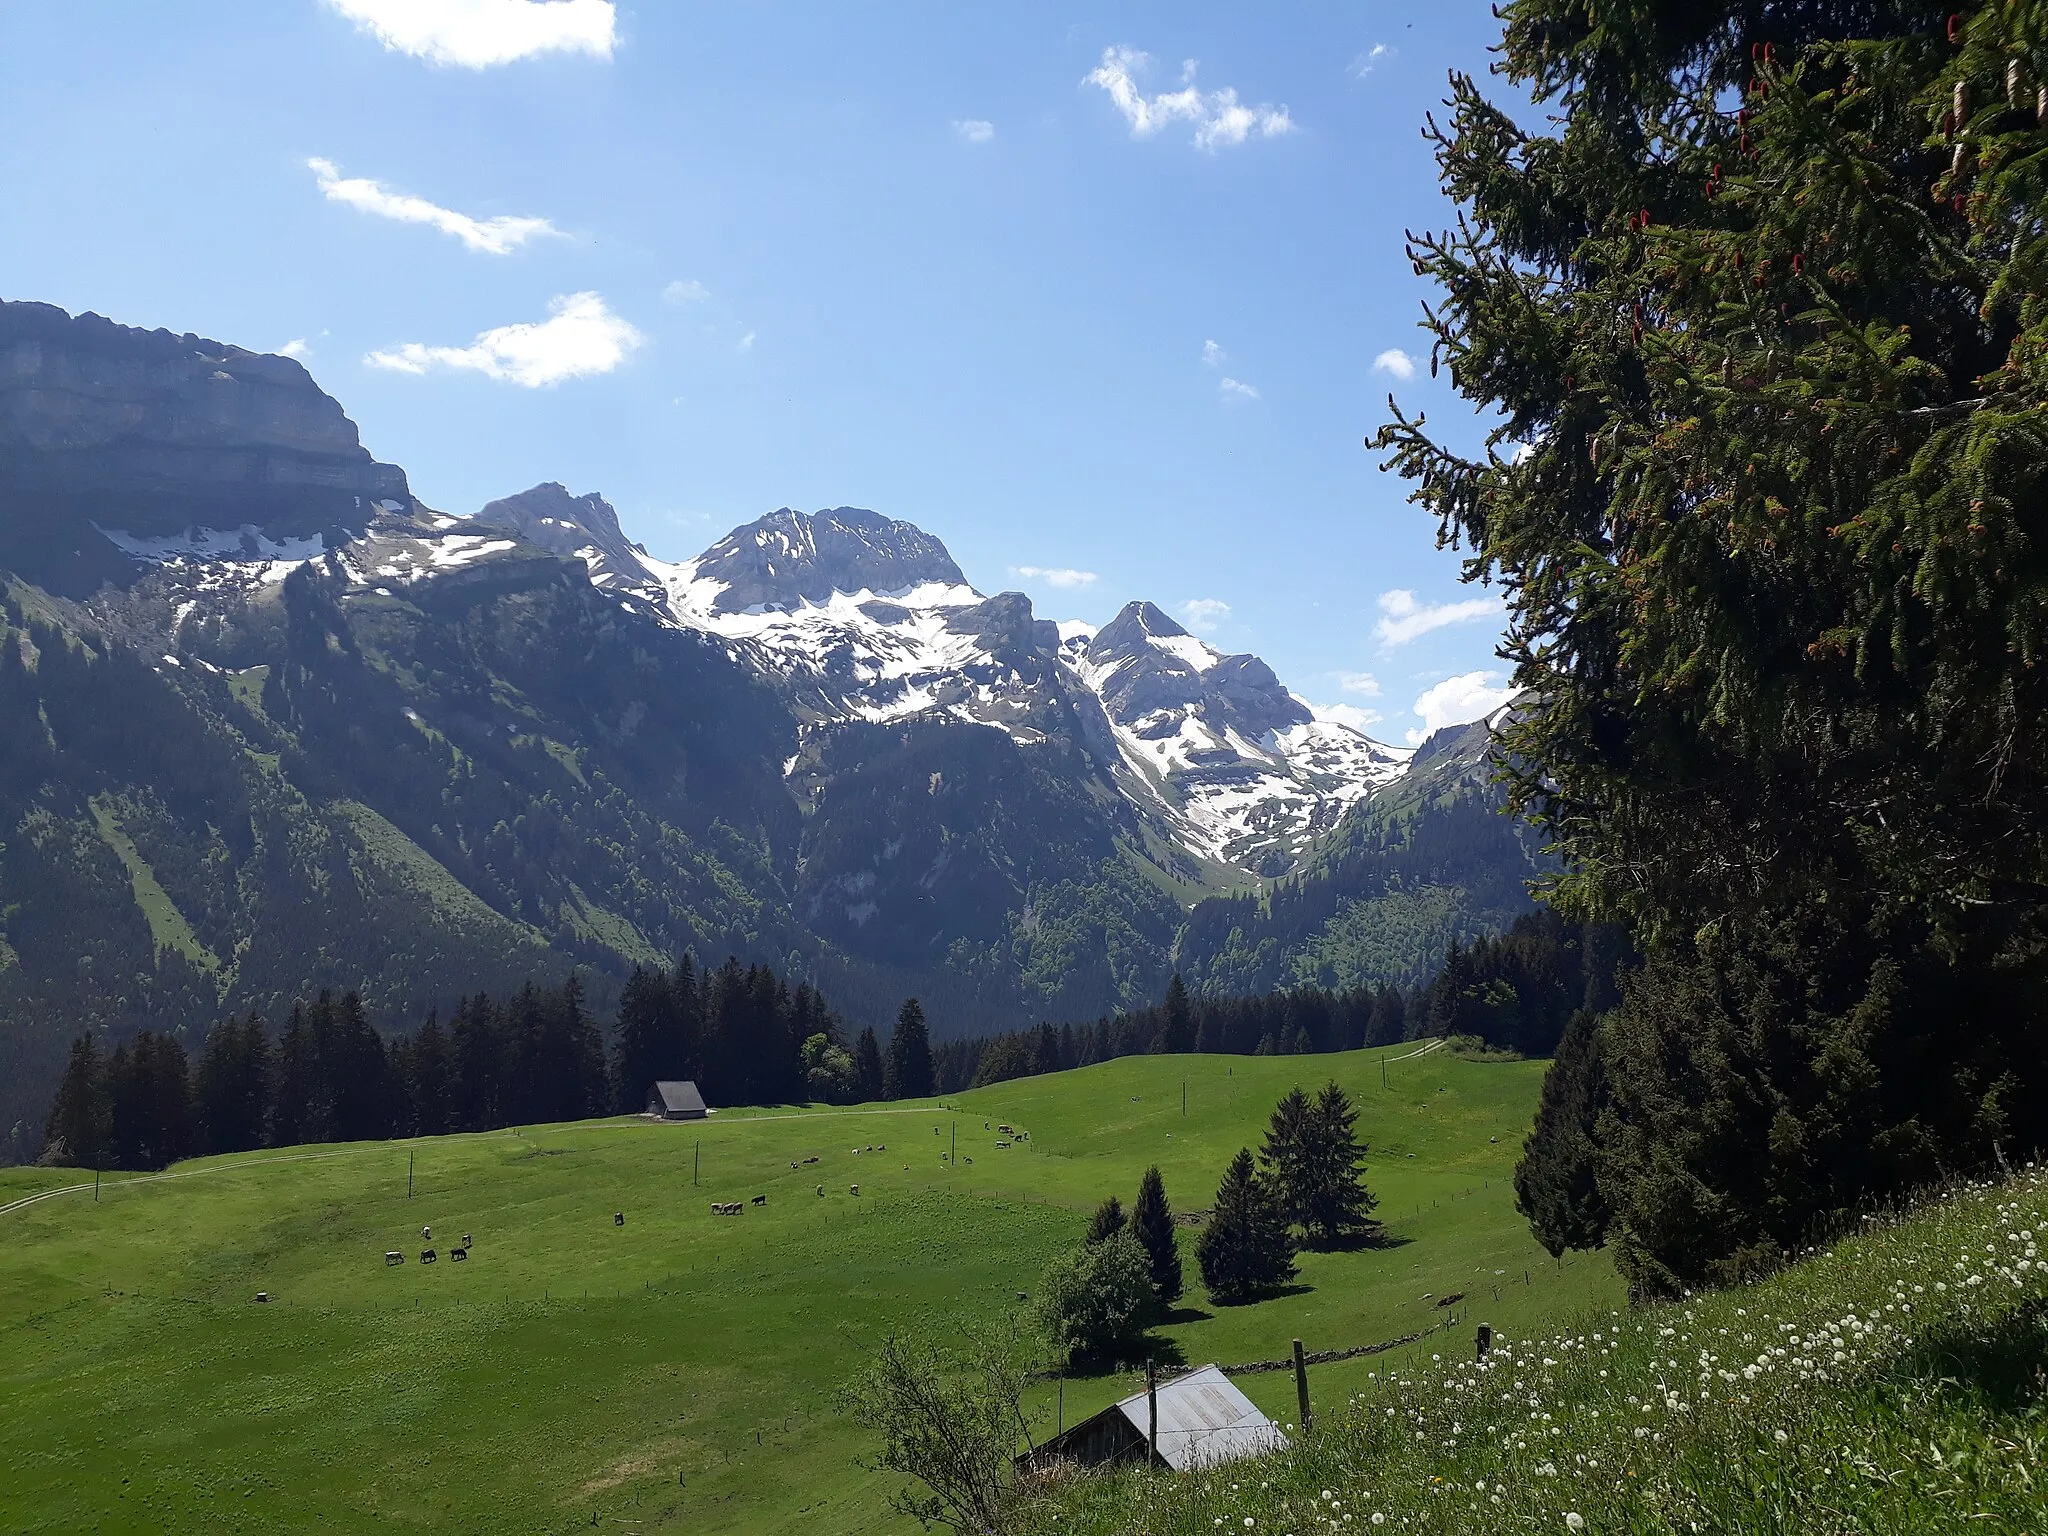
(680, 1370)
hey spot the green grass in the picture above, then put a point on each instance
(1894, 1385)
(167, 925)
(678, 1371)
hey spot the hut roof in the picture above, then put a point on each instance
(680, 1098)
(1204, 1421)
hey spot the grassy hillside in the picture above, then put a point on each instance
(678, 1370)
(1894, 1385)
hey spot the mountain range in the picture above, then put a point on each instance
(269, 723)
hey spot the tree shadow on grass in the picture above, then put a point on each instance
(1185, 1314)
(1359, 1242)
(1270, 1293)
(2001, 1367)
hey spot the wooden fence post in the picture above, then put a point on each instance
(1152, 1407)
(1301, 1384)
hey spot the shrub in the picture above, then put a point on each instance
(1096, 1302)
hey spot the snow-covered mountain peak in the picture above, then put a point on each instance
(788, 558)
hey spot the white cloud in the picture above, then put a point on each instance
(1457, 701)
(1218, 116)
(476, 34)
(1347, 714)
(685, 291)
(1371, 59)
(580, 337)
(975, 130)
(1360, 683)
(1396, 362)
(1057, 576)
(1212, 354)
(1204, 615)
(1230, 386)
(1402, 618)
(497, 236)
(745, 343)
(296, 347)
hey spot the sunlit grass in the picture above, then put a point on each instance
(1895, 1383)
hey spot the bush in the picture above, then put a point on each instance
(1096, 1302)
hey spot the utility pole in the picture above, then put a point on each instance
(408, 1175)
(955, 1158)
(95, 1186)
(1183, 1098)
(1301, 1384)
(697, 1161)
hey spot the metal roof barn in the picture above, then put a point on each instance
(675, 1101)
(1204, 1421)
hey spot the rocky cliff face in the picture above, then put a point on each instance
(105, 427)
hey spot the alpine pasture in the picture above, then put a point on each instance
(679, 1370)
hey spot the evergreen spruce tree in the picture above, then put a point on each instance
(1557, 1182)
(1289, 1155)
(868, 1084)
(1107, 1221)
(1177, 1022)
(1334, 1203)
(909, 1071)
(1759, 312)
(231, 1089)
(1245, 1247)
(1152, 1225)
(79, 1132)
(640, 1043)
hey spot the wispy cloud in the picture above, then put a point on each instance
(1396, 362)
(974, 130)
(475, 34)
(1458, 701)
(1204, 615)
(1347, 714)
(497, 236)
(1363, 683)
(1403, 618)
(296, 347)
(579, 338)
(1371, 59)
(745, 343)
(1237, 387)
(1218, 117)
(685, 290)
(1212, 354)
(1057, 576)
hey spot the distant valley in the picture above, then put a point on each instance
(271, 723)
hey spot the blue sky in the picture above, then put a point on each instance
(1109, 329)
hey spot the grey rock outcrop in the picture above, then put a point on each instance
(105, 426)
(788, 555)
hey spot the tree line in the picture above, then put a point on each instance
(535, 1057)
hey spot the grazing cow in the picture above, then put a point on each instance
(880, 1148)
(856, 1189)
(426, 1255)
(760, 1199)
(392, 1257)
(821, 1191)
(263, 1295)
(465, 1239)
(619, 1219)
(458, 1254)
(1452, 1300)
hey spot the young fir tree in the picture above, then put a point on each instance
(1334, 1203)
(231, 1089)
(1245, 1248)
(1107, 1221)
(1759, 309)
(1557, 1182)
(909, 1071)
(1289, 1156)
(868, 1075)
(1152, 1226)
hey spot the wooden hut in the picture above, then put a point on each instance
(675, 1101)
(1204, 1421)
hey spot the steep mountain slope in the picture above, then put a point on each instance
(267, 723)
